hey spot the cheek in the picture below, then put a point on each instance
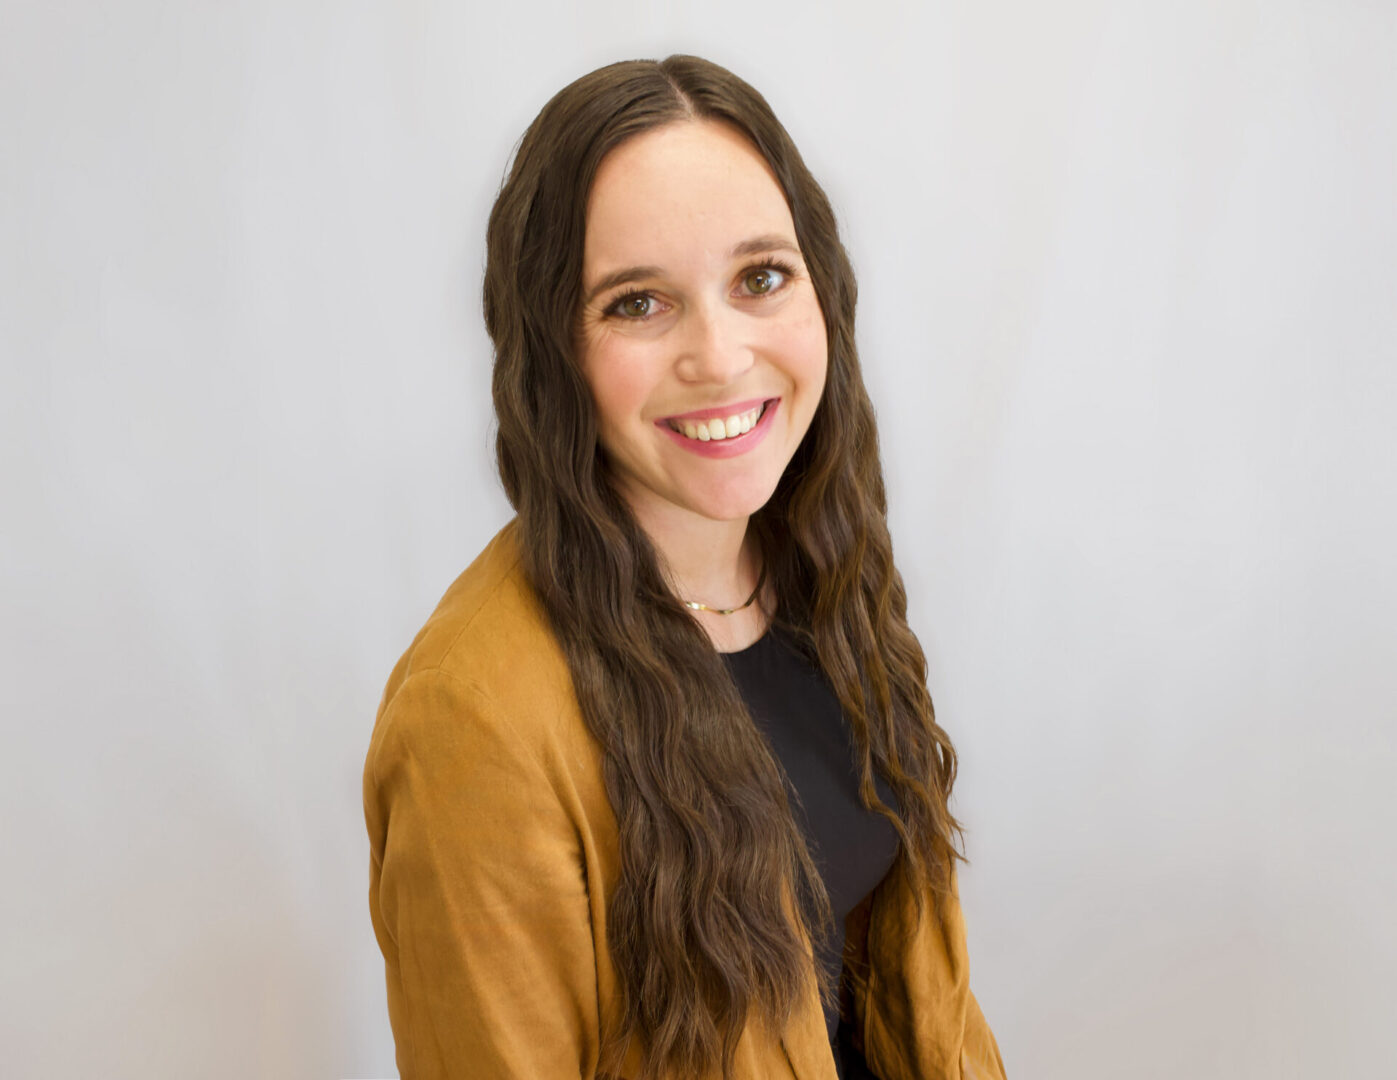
(806, 351)
(618, 375)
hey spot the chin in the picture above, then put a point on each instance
(740, 501)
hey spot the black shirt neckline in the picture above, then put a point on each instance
(766, 637)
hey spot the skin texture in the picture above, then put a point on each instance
(704, 327)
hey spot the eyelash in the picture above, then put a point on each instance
(786, 270)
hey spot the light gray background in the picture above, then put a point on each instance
(1128, 276)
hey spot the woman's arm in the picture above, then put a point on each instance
(912, 1011)
(477, 892)
(979, 1054)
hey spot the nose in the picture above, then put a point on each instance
(711, 345)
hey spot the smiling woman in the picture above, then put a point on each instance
(622, 822)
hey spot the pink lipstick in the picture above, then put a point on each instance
(723, 447)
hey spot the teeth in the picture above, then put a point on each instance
(719, 428)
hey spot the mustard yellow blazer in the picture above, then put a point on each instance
(494, 853)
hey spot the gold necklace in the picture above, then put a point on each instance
(694, 605)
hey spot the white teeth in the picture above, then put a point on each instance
(719, 428)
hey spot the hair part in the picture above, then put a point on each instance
(699, 929)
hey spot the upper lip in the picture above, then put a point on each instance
(721, 412)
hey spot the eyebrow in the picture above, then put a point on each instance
(757, 245)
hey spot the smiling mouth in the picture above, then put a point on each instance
(720, 428)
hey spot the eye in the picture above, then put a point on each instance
(768, 278)
(634, 307)
(760, 281)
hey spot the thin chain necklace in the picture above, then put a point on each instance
(694, 605)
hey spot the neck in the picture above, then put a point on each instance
(713, 562)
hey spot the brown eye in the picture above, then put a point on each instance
(636, 306)
(760, 281)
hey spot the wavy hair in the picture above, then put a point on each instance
(710, 853)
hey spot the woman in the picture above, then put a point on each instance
(586, 860)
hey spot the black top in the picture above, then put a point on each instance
(853, 848)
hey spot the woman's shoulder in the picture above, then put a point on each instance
(490, 636)
(489, 601)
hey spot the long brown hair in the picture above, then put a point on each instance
(698, 932)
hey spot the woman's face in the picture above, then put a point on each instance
(697, 309)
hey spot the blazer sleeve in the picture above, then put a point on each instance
(477, 892)
(979, 1054)
(911, 999)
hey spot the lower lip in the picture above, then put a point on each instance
(725, 448)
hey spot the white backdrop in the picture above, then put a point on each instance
(1128, 282)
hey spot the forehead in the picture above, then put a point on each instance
(684, 192)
